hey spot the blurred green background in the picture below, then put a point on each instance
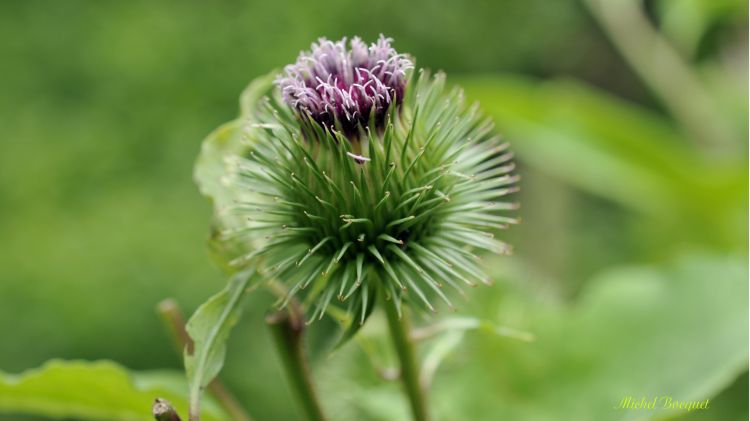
(630, 125)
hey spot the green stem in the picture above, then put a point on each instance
(287, 326)
(399, 329)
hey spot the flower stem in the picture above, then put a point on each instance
(399, 329)
(287, 326)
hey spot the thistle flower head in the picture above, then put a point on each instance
(333, 84)
(400, 212)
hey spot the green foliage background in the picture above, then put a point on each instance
(630, 266)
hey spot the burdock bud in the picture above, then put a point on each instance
(354, 177)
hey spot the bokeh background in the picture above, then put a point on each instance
(630, 124)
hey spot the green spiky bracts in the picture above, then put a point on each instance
(353, 187)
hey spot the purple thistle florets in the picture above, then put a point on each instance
(335, 85)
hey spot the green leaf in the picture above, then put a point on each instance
(687, 22)
(225, 141)
(211, 169)
(209, 329)
(604, 145)
(101, 390)
(619, 151)
(680, 330)
(460, 324)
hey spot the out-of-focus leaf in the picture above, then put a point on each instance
(442, 347)
(603, 144)
(624, 153)
(678, 331)
(454, 324)
(638, 331)
(210, 167)
(210, 172)
(101, 390)
(209, 329)
(686, 22)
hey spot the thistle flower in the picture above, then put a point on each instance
(334, 84)
(359, 177)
